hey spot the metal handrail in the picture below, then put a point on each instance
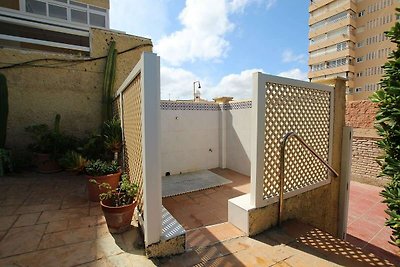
(282, 167)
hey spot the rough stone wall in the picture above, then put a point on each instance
(37, 94)
(360, 114)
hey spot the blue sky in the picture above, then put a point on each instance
(219, 42)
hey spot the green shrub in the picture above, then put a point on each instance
(124, 195)
(388, 126)
(100, 168)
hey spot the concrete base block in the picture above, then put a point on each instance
(249, 219)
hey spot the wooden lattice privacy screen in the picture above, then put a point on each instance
(132, 134)
(308, 112)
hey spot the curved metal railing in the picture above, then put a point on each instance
(282, 167)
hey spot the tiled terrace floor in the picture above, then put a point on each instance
(366, 221)
(46, 220)
(295, 244)
(208, 207)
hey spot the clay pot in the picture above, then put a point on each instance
(118, 218)
(93, 189)
(45, 164)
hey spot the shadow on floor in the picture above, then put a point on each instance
(334, 249)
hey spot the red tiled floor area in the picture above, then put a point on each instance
(366, 221)
(211, 234)
(210, 206)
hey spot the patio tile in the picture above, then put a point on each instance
(58, 215)
(57, 226)
(37, 208)
(2, 234)
(84, 222)
(69, 236)
(7, 210)
(96, 210)
(21, 240)
(75, 202)
(7, 221)
(70, 255)
(27, 219)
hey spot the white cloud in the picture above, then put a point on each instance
(289, 56)
(294, 74)
(238, 85)
(240, 5)
(130, 15)
(271, 3)
(176, 83)
(202, 37)
(203, 34)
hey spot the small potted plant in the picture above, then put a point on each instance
(112, 134)
(101, 172)
(73, 162)
(118, 204)
(49, 145)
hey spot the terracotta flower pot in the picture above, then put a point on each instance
(93, 189)
(118, 218)
(45, 164)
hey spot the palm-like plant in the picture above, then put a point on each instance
(112, 134)
(388, 126)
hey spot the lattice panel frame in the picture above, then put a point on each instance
(132, 122)
(116, 106)
(308, 112)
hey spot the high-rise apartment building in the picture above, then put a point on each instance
(347, 39)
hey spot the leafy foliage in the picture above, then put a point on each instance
(50, 141)
(73, 161)
(388, 126)
(112, 134)
(123, 195)
(100, 168)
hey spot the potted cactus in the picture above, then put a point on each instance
(118, 204)
(101, 172)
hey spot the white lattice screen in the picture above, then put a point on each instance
(306, 111)
(132, 121)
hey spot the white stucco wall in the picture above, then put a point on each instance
(186, 139)
(238, 140)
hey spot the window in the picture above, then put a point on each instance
(68, 10)
(360, 59)
(341, 46)
(360, 44)
(79, 16)
(358, 89)
(58, 12)
(360, 14)
(36, 7)
(97, 20)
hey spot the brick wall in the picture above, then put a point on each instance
(364, 166)
(360, 114)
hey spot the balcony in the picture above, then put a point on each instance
(331, 12)
(20, 29)
(331, 55)
(330, 71)
(332, 41)
(348, 20)
(317, 4)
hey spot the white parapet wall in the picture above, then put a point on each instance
(238, 124)
(189, 136)
(198, 136)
